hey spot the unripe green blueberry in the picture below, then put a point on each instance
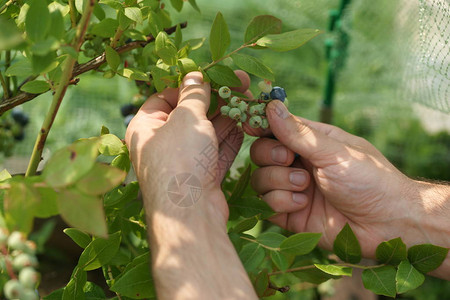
(254, 110)
(264, 124)
(235, 113)
(235, 101)
(29, 295)
(225, 92)
(24, 260)
(28, 277)
(16, 241)
(243, 106)
(265, 86)
(255, 122)
(13, 289)
(30, 247)
(262, 106)
(243, 117)
(224, 110)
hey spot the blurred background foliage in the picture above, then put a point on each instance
(371, 94)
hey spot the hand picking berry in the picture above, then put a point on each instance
(278, 93)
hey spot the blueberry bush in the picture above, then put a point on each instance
(45, 47)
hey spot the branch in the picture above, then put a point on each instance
(83, 68)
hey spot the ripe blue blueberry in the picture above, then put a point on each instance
(20, 117)
(278, 93)
(127, 109)
(128, 119)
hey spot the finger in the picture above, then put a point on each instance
(228, 149)
(159, 105)
(299, 137)
(194, 95)
(279, 220)
(285, 201)
(245, 81)
(267, 152)
(223, 127)
(279, 178)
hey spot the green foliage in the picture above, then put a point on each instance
(346, 246)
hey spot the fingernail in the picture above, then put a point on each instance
(279, 154)
(192, 79)
(298, 198)
(297, 178)
(280, 109)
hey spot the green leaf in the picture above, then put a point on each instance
(300, 243)
(155, 23)
(408, 278)
(380, 280)
(93, 291)
(112, 57)
(10, 36)
(253, 66)
(223, 75)
(57, 24)
(21, 68)
(4, 174)
(69, 164)
(312, 275)
(19, 203)
(55, 295)
(426, 257)
(122, 195)
(80, 238)
(38, 21)
(80, 5)
(193, 3)
(244, 225)
(346, 246)
(100, 179)
(157, 74)
(117, 5)
(122, 161)
(75, 287)
(99, 252)
(110, 145)
(178, 36)
(391, 252)
(133, 74)
(281, 260)
(83, 212)
(103, 131)
(219, 38)
(106, 28)
(44, 63)
(177, 4)
(166, 49)
(271, 239)
(48, 206)
(335, 270)
(136, 283)
(261, 282)
(251, 256)
(187, 65)
(261, 26)
(241, 185)
(45, 46)
(251, 206)
(134, 13)
(213, 105)
(289, 40)
(35, 87)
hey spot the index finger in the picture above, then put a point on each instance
(159, 105)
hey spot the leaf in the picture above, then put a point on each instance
(45, 46)
(83, 212)
(57, 24)
(346, 246)
(178, 36)
(21, 68)
(271, 239)
(157, 74)
(177, 4)
(136, 283)
(391, 252)
(110, 145)
(244, 225)
(133, 74)
(105, 28)
(281, 260)
(48, 206)
(251, 256)
(99, 252)
(380, 280)
(335, 270)
(104, 130)
(112, 57)
(80, 5)
(312, 274)
(241, 185)
(408, 278)
(289, 40)
(253, 66)
(80, 238)
(10, 36)
(300, 243)
(261, 282)
(219, 38)
(426, 257)
(193, 3)
(187, 65)
(251, 206)
(166, 49)
(117, 5)
(93, 291)
(4, 174)
(69, 164)
(44, 63)
(122, 161)
(35, 87)
(260, 26)
(122, 195)
(134, 13)
(100, 179)
(223, 75)
(37, 22)
(75, 287)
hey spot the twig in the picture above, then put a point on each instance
(111, 277)
(69, 64)
(5, 6)
(4, 86)
(73, 13)
(283, 289)
(228, 55)
(116, 37)
(83, 68)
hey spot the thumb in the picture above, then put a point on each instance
(194, 94)
(299, 137)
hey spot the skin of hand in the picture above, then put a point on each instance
(192, 256)
(341, 178)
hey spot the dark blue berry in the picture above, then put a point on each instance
(20, 117)
(128, 119)
(278, 93)
(127, 109)
(19, 136)
(264, 96)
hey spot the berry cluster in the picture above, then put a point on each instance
(12, 128)
(241, 110)
(19, 260)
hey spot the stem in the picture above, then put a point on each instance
(73, 13)
(9, 267)
(264, 246)
(111, 277)
(4, 86)
(226, 56)
(7, 65)
(312, 267)
(5, 6)
(116, 37)
(69, 64)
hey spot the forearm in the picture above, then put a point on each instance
(192, 256)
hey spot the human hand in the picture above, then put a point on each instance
(341, 178)
(171, 135)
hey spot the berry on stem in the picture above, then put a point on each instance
(28, 277)
(255, 122)
(264, 124)
(243, 106)
(225, 92)
(13, 289)
(224, 110)
(243, 117)
(235, 101)
(265, 86)
(16, 241)
(278, 93)
(235, 113)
